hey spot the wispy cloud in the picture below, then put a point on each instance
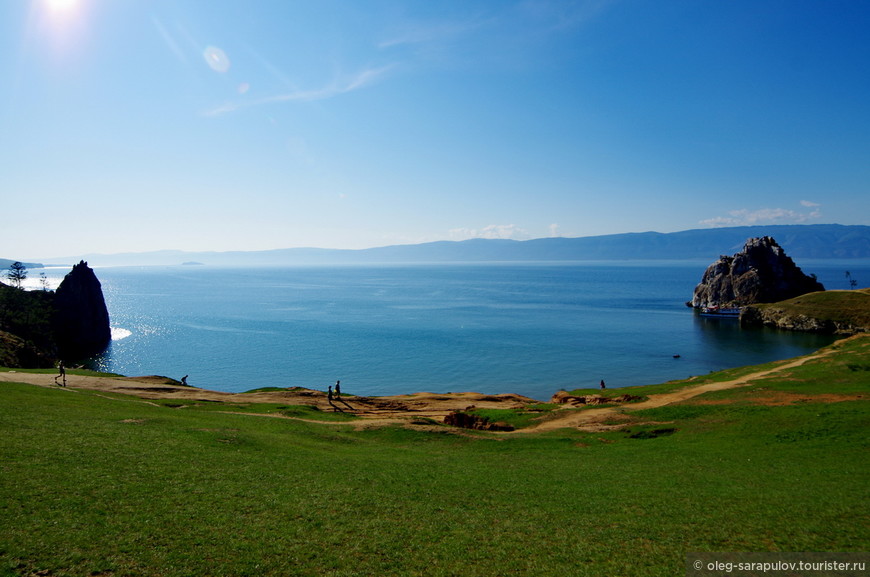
(178, 39)
(338, 87)
(746, 217)
(503, 231)
(559, 15)
(366, 77)
(501, 34)
(169, 40)
(430, 32)
(494, 30)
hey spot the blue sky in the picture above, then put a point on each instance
(137, 125)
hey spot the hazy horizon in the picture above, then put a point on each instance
(175, 125)
(338, 248)
(65, 260)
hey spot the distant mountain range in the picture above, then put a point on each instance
(818, 241)
(6, 263)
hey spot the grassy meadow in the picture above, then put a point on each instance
(97, 484)
(846, 307)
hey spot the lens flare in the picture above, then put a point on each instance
(216, 59)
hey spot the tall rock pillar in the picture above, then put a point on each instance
(81, 318)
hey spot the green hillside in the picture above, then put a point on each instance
(104, 484)
(847, 310)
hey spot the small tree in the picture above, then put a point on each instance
(852, 282)
(17, 273)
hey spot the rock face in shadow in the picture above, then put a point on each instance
(16, 352)
(760, 273)
(26, 328)
(81, 318)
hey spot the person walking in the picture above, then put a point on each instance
(61, 374)
(337, 389)
(603, 386)
(329, 395)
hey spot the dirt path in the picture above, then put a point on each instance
(604, 418)
(396, 409)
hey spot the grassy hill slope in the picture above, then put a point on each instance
(837, 311)
(104, 484)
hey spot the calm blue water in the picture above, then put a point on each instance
(525, 328)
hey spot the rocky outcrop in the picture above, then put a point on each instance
(760, 273)
(566, 398)
(472, 421)
(81, 318)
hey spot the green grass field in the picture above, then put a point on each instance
(94, 484)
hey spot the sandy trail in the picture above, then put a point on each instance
(606, 418)
(395, 409)
(386, 410)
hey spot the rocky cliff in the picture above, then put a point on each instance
(760, 273)
(81, 317)
(26, 330)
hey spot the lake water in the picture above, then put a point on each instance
(525, 328)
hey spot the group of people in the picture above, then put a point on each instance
(334, 394)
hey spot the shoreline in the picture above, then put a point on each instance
(422, 408)
(152, 387)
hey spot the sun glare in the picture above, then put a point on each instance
(61, 6)
(62, 22)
